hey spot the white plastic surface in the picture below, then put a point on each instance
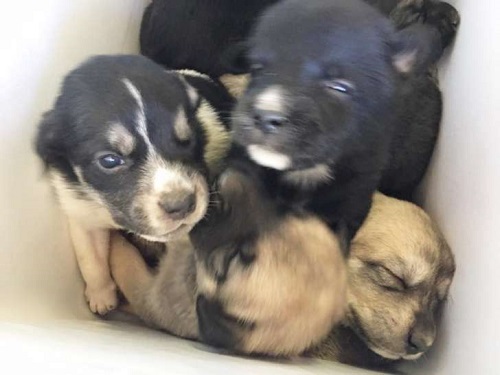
(44, 323)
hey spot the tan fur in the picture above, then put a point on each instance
(235, 84)
(121, 139)
(165, 300)
(401, 237)
(293, 293)
(218, 138)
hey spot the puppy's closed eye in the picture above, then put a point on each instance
(246, 252)
(340, 87)
(386, 278)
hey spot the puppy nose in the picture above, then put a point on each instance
(269, 121)
(418, 342)
(213, 325)
(178, 206)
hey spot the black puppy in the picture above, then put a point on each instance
(204, 34)
(195, 34)
(327, 106)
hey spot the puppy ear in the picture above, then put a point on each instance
(415, 48)
(48, 145)
(234, 60)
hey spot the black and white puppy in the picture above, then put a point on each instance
(328, 100)
(128, 146)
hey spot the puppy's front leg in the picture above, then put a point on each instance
(130, 272)
(92, 253)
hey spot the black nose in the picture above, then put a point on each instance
(418, 342)
(214, 327)
(269, 121)
(179, 205)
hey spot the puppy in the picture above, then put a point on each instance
(253, 279)
(127, 146)
(331, 120)
(399, 273)
(197, 34)
(215, 29)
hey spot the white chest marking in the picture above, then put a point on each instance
(268, 158)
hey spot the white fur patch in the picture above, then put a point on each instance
(160, 178)
(271, 99)
(310, 177)
(82, 204)
(193, 73)
(140, 117)
(181, 127)
(383, 353)
(121, 139)
(413, 357)
(166, 177)
(270, 159)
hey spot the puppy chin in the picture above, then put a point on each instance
(413, 357)
(180, 231)
(268, 158)
(384, 353)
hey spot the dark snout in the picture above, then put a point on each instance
(421, 336)
(264, 110)
(178, 205)
(269, 121)
(215, 328)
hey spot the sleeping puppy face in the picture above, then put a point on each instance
(400, 271)
(123, 138)
(316, 86)
(268, 283)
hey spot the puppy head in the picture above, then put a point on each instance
(123, 134)
(322, 72)
(267, 283)
(400, 271)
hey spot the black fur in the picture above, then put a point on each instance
(359, 133)
(205, 35)
(92, 98)
(195, 34)
(242, 211)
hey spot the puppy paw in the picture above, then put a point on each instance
(102, 300)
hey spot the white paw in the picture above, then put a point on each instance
(102, 300)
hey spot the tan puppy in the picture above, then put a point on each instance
(265, 283)
(399, 271)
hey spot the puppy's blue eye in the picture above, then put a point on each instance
(340, 86)
(111, 161)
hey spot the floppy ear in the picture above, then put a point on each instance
(48, 143)
(415, 48)
(234, 59)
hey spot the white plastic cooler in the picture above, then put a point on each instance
(45, 325)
